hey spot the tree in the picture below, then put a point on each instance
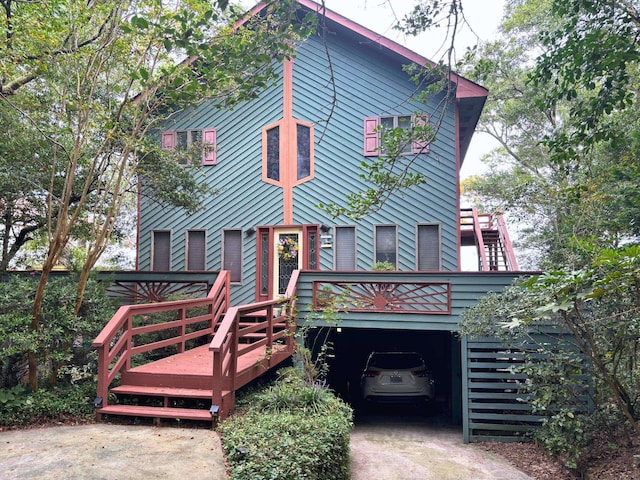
(559, 200)
(109, 72)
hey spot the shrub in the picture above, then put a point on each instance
(62, 343)
(20, 407)
(291, 430)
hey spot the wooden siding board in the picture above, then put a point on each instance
(360, 97)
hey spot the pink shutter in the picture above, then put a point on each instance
(371, 137)
(420, 146)
(209, 142)
(169, 140)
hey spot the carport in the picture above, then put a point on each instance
(351, 348)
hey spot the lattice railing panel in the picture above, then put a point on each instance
(400, 297)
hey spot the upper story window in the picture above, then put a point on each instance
(376, 127)
(287, 160)
(192, 146)
(345, 248)
(428, 247)
(161, 250)
(386, 244)
(196, 250)
(232, 253)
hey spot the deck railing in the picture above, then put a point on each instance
(116, 344)
(275, 334)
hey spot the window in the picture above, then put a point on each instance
(428, 247)
(273, 153)
(303, 134)
(232, 253)
(192, 146)
(161, 251)
(386, 244)
(345, 248)
(287, 158)
(196, 250)
(375, 127)
(403, 122)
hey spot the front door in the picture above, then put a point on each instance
(288, 256)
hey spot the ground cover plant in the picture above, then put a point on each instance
(289, 430)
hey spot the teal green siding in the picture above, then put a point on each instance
(466, 289)
(367, 84)
(366, 87)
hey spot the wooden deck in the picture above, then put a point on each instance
(197, 382)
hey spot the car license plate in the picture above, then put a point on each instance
(395, 379)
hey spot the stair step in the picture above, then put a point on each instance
(156, 412)
(162, 391)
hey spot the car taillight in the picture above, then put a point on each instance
(419, 373)
(371, 373)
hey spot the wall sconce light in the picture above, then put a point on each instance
(250, 231)
(325, 228)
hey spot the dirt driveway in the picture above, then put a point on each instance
(385, 449)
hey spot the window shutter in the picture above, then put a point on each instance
(196, 253)
(371, 137)
(209, 146)
(428, 247)
(169, 140)
(421, 146)
(345, 245)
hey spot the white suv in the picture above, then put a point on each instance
(396, 377)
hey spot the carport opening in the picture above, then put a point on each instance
(350, 348)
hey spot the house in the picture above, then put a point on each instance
(300, 144)
(276, 158)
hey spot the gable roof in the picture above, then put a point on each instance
(470, 96)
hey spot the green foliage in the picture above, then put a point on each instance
(62, 343)
(22, 407)
(598, 307)
(292, 430)
(383, 267)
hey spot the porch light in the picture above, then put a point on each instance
(250, 231)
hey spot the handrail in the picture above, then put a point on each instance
(510, 257)
(224, 344)
(480, 240)
(115, 342)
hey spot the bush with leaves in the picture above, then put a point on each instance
(290, 430)
(598, 306)
(62, 346)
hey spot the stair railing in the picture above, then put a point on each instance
(507, 247)
(484, 263)
(115, 343)
(279, 330)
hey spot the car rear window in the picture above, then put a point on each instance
(395, 361)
